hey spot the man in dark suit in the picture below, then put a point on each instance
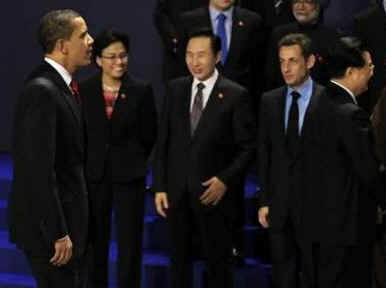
(370, 26)
(353, 187)
(167, 22)
(307, 15)
(48, 205)
(242, 50)
(206, 141)
(273, 12)
(287, 116)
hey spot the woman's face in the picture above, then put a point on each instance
(113, 60)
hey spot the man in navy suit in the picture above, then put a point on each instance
(206, 141)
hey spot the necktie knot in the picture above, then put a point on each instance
(74, 85)
(295, 95)
(200, 86)
(221, 17)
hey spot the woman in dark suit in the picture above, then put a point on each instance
(121, 130)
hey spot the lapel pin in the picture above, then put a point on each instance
(123, 96)
(220, 95)
(241, 23)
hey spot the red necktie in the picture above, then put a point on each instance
(75, 89)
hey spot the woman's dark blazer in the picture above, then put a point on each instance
(126, 140)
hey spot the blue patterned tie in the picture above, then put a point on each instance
(223, 36)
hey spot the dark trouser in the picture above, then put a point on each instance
(71, 275)
(322, 265)
(129, 199)
(213, 226)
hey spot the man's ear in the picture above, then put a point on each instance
(218, 57)
(61, 45)
(98, 61)
(311, 61)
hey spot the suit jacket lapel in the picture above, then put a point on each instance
(49, 72)
(308, 123)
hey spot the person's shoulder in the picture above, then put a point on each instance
(368, 13)
(227, 84)
(191, 14)
(179, 82)
(248, 14)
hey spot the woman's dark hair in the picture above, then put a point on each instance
(106, 38)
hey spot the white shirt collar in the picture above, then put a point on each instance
(346, 89)
(60, 69)
(215, 12)
(209, 84)
(384, 5)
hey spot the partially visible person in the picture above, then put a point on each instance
(121, 131)
(378, 121)
(339, 15)
(273, 12)
(308, 22)
(48, 205)
(166, 17)
(356, 185)
(205, 144)
(370, 26)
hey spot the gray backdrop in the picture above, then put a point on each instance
(20, 52)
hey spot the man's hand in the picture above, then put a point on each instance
(214, 193)
(63, 251)
(161, 203)
(263, 216)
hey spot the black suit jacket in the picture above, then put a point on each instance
(245, 50)
(370, 26)
(335, 172)
(279, 173)
(49, 194)
(125, 141)
(266, 8)
(322, 38)
(222, 145)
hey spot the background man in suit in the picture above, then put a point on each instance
(167, 22)
(206, 141)
(339, 15)
(273, 12)
(287, 118)
(240, 31)
(370, 26)
(354, 186)
(307, 15)
(48, 204)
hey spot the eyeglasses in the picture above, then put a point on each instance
(114, 58)
(298, 2)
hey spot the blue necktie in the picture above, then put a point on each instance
(223, 36)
